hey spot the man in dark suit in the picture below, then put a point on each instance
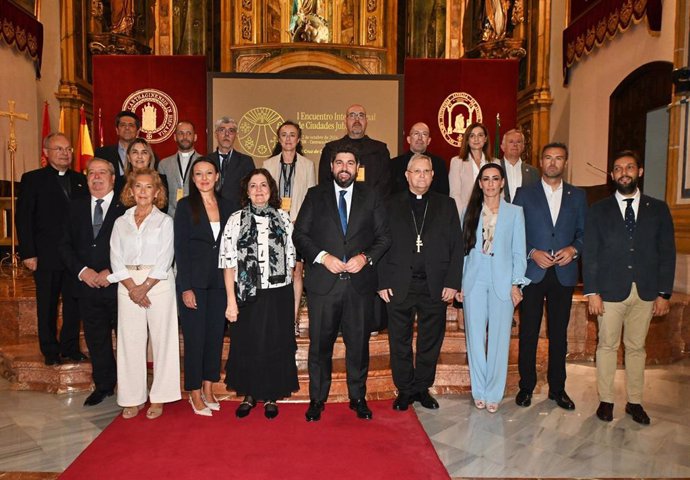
(127, 125)
(419, 139)
(419, 275)
(232, 165)
(42, 205)
(341, 231)
(518, 173)
(554, 227)
(374, 157)
(86, 253)
(629, 266)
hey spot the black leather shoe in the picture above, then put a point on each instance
(401, 402)
(562, 400)
(314, 411)
(270, 410)
(360, 407)
(97, 396)
(426, 400)
(605, 411)
(75, 357)
(637, 412)
(52, 360)
(524, 398)
(245, 407)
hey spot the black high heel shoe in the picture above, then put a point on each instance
(245, 407)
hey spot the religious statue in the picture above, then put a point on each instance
(495, 19)
(122, 16)
(494, 29)
(306, 25)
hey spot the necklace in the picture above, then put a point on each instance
(418, 243)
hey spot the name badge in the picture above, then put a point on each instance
(285, 203)
(361, 173)
(180, 194)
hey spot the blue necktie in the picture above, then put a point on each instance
(630, 216)
(342, 210)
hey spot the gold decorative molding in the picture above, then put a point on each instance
(247, 62)
(371, 65)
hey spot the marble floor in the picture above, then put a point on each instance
(42, 432)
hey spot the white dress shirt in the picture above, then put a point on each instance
(514, 176)
(107, 200)
(553, 198)
(348, 202)
(150, 244)
(475, 168)
(622, 204)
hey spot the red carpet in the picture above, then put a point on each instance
(181, 445)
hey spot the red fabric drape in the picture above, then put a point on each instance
(23, 31)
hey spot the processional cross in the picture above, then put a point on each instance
(12, 148)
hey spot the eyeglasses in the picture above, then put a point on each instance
(420, 134)
(419, 172)
(356, 115)
(226, 131)
(69, 150)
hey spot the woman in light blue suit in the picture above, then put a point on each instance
(494, 271)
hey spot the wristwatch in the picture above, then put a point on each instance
(369, 260)
(665, 296)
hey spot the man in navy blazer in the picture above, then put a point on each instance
(85, 251)
(629, 265)
(554, 226)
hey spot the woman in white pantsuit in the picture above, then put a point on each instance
(141, 255)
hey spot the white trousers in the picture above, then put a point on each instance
(134, 324)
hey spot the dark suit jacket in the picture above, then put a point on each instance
(543, 235)
(79, 249)
(41, 211)
(399, 165)
(443, 246)
(530, 176)
(612, 261)
(373, 156)
(236, 168)
(318, 228)
(112, 154)
(196, 251)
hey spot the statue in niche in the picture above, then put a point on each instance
(122, 16)
(495, 25)
(306, 25)
(494, 29)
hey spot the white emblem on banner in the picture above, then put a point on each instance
(457, 112)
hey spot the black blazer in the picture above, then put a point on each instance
(443, 246)
(318, 228)
(235, 169)
(79, 249)
(399, 166)
(612, 262)
(373, 156)
(42, 207)
(196, 251)
(112, 154)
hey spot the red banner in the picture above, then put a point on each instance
(161, 90)
(448, 95)
(21, 29)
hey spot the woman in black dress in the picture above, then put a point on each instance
(258, 257)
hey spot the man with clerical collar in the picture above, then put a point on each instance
(629, 265)
(518, 173)
(127, 125)
(419, 139)
(420, 274)
(176, 168)
(232, 165)
(42, 204)
(374, 157)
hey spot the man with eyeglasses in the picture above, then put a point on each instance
(518, 173)
(374, 157)
(232, 165)
(127, 125)
(42, 204)
(419, 275)
(419, 139)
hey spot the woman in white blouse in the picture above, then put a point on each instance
(258, 257)
(474, 152)
(141, 255)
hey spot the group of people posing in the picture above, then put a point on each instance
(376, 244)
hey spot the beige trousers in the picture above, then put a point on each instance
(632, 316)
(134, 324)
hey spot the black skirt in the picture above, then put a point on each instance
(262, 347)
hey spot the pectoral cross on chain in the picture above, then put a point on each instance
(419, 243)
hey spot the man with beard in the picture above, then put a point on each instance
(629, 265)
(518, 173)
(373, 155)
(419, 139)
(341, 231)
(554, 228)
(176, 167)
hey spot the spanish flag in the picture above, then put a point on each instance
(84, 145)
(45, 131)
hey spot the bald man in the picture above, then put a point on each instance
(419, 139)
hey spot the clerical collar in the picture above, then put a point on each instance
(57, 172)
(414, 196)
(186, 155)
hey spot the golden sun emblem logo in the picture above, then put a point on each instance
(157, 111)
(257, 131)
(457, 112)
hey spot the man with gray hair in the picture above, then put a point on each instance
(232, 165)
(518, 173)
